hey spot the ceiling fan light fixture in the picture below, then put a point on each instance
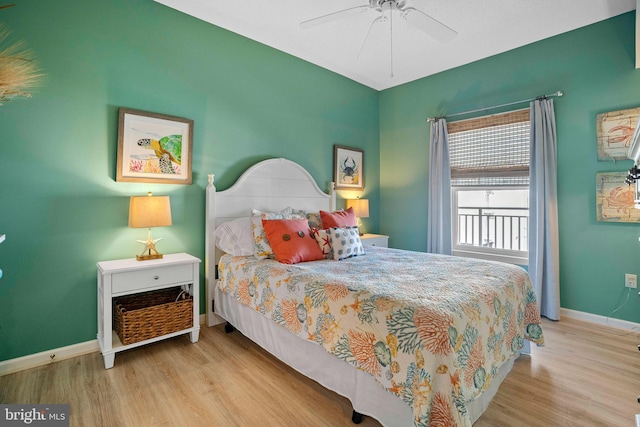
(388, 5)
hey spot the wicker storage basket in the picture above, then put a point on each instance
(152, 314)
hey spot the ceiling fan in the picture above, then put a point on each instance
(385, 8)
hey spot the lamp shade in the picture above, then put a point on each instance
(149, 211)
(360, 207)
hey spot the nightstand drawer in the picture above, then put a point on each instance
(375, 240)
(147, 278)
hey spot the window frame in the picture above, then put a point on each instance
(491, 254)
(483, 252)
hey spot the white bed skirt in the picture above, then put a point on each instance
(367, 396)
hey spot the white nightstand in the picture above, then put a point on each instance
(375, 240)
(129, 276)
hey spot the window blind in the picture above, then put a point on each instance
(490, 151)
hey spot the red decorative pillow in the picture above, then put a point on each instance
(338, 219)
(291, 240)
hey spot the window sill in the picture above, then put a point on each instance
(507, 258)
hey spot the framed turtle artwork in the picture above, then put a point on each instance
(154, 148)
(348, 165)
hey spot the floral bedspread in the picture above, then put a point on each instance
(431, 329)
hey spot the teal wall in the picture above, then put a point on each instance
(60, 206)
(62, 210)
(594, 66)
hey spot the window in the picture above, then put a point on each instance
(489, 159)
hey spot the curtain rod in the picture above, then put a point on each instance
(433, 119)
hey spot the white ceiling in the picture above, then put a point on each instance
(484, 27)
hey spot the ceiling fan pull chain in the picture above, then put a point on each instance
(391, 46)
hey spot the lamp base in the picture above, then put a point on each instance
(148, 257)
(149, 251)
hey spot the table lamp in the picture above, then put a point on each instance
(360, 209)
(146, 212)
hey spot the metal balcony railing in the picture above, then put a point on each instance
(500, 228)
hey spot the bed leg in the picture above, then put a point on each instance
(228, 328)
(356, 417)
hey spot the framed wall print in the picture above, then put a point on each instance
(614, 131)
(154, 148)
(348, 164)
(614, 198)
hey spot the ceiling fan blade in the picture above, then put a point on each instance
(378, 20)
(428, 25)
(333, 16)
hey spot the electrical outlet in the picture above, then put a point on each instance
(630, 281)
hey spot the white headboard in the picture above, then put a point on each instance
(269, 186)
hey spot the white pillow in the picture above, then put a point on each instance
(345, 242)
(235, 237)
(261, 247)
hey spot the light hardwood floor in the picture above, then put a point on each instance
(586, 375)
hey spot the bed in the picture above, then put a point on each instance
(359, 326)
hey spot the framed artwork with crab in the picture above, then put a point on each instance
(614, 131)
(614, 198)
(154, 148)
(348, 165)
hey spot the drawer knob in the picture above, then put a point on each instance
(156, 277)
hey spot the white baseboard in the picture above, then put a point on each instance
(38, 359)
(599, 320)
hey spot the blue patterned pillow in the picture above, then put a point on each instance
(312, 216)
(345, 242)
